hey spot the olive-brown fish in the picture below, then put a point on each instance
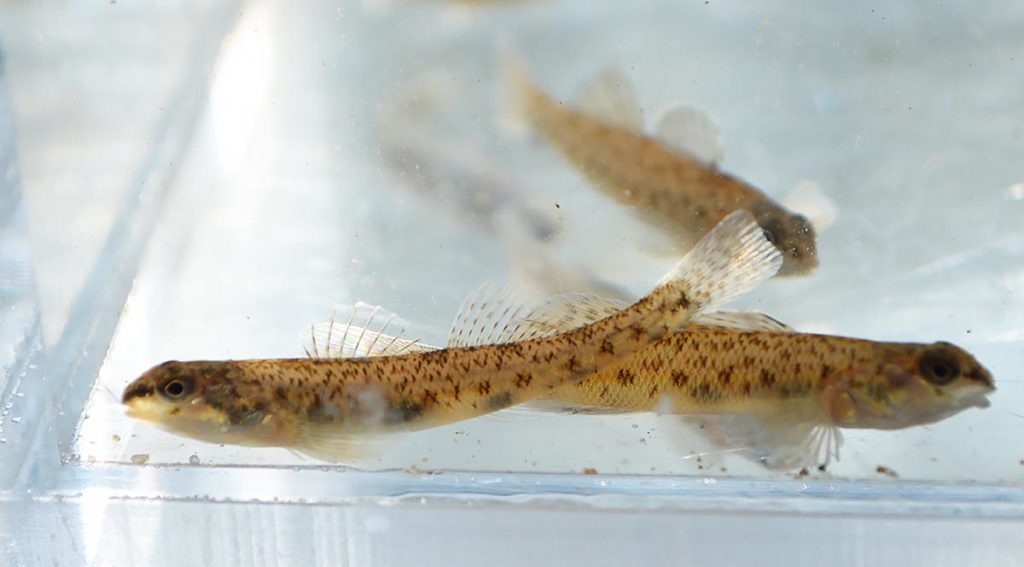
(671, 179)
(324, 406)
(775, 395)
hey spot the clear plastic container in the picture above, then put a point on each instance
(186, 181)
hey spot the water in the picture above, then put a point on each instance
(223, 181)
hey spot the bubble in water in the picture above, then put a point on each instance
(193, 460)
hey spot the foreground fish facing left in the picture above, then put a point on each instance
(671, 179)
(325, 407)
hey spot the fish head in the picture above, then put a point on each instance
(793, 235)
(205, 400)
(912, 384)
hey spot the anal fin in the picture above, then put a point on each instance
(788, 438)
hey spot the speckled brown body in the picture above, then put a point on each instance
(319, 405)
(279, 401)
(672, 191)
(709, 369)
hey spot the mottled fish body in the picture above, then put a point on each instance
(670, 178)
(324, 406)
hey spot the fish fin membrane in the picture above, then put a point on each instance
(691, 132)
(493, 314)
(610, 98)
(809, 200)
(732, 259)
(743, 321)
(322, 444)
(365, 330)
(791, 438)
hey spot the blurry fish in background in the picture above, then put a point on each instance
(671, 178)
(454, 176)
(457, 178)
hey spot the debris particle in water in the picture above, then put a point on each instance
(590, 471)
(880, 469)
(140, 458)
(803, 472)
(115, 438)
(193, 460)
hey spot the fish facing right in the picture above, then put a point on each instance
(671, 179)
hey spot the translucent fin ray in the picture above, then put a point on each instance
(743, 321)
(368, 330)
(791, 438)
(729, 261)
(492, 314)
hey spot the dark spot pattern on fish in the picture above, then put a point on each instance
(500, 401)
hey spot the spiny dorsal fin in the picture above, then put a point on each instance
(363, 333)
(491, 314)
(791, 437)
(610, 98)
(743, 321)
(691, 132)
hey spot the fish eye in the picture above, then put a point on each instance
(770, 236)
(177, 389)
(939, 368)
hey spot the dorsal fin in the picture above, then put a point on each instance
(364, 332)
(492, 314)
(611, 99)
(743, 321)
(691, 132)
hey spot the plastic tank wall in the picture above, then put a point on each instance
(204, 181)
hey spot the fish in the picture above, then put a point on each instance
(471, 187)
(453, 176)
(328, 407)
(671, 179)
(754, 385)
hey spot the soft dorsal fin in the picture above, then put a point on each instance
(743, 321)
(790, 437)
(691, 132)
(611, 99)
(364, 333)
(492, 314)
(567, 312)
